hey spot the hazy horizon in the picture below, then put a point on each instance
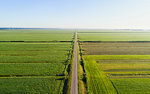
(97, 14)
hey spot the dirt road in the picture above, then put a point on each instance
(74, 85)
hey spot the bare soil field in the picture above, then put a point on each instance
(113, 48)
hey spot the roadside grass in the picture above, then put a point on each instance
(82, 87)
(70, 69)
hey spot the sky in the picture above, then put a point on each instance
(98, 14)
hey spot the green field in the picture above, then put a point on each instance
(34, 52)
(39, 61)
(132, 85)
(36, 35)
(34, 61)
(97, 81)
(116, 62)
(31, 85)
(126, 73)
(111, 36)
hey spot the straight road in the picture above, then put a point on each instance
(74, 85)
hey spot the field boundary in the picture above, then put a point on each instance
(114, 32)
(115, 41)
(84, 77)
(35, 41)
(68, 70)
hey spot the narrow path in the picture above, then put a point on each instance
(74, 85)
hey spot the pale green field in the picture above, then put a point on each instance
(36, 35)
(124, 36)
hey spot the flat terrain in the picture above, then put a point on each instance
(31, 85)
(39, 61)
(124, 73)
(117, 36)
(97, 81)
(116, 62)
(34, 61)
(36, 35)
(119, 48)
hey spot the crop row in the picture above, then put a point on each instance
(34, 53)
(132, 85)
(33, 68)
(110, 36)
(126, 72)
(31, 85)
(97, 81)
(116, 48)
(35, 35)
(118, 60)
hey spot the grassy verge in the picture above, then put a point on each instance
(81, 73)
(68, 71)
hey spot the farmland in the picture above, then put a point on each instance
(34, 61)
(36, 35)
(31, 85)
(40, 61)
(119, 48)
(116, 63)
(96, 79)
(117, 36)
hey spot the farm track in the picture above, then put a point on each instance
(74, 85)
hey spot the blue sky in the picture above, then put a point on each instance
(111, 14)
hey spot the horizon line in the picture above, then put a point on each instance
(74, 28)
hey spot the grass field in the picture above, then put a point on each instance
(116, 61)
(111, 36)
(34, 52)
(37, 61)
(126, 73)
(98, 82)
(36, 35)
(31, 85)
(132, 85)
(32, 69)
(34, 61)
